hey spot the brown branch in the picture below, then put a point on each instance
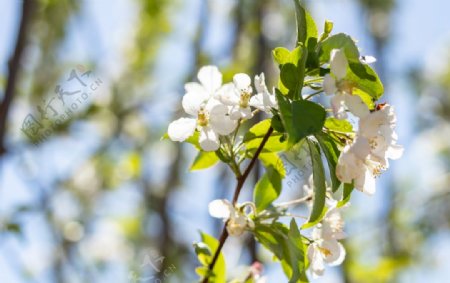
(240, 183)
(14, 68)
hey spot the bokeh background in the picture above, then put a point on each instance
(103, 199)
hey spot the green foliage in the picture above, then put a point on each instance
(287, 246)
(338, 41)
(204, 160)
(332, 153)
(267, 190)
(292, 70)
(365, 78)
(205, 252)
(346, 194)
(308, 118)
(319, 208)
(255, 135)
(338, 125)
(306, 27)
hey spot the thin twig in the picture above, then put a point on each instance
(240, 183)
(14, 68)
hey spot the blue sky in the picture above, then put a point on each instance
(420, 30)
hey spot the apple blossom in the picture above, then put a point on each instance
(235, 217)
(263, 100)
(237, 95)
(335, 83)
(325, 247)
(208, 115)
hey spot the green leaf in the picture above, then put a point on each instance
(281, 55)
(308, 118)
(338, 41)
(265, 192)
(272, 160)
(258, 130)
(286, 116)
(287, 245)
(292, 72)
(306, 27)
(365, 78)
(332, 153)
(219, 271)
(319, 208)
(338, 125)
(348, 189)
(204, 159)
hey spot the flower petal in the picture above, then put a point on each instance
(228, 95)
(316, 266)
(220, 208)
(356, 106)
(181, 129)
(210, 77)
(260, 83)
(336, 253)
(194, 99)
(338, 64)
(366, 182)
(242, 81)
(209, 141)
(338, 106)
(329, 84)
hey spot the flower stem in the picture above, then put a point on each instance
(240, 183)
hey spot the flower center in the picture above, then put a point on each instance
(245, 98)
(202, 118)
(345, 86)
(324, 251)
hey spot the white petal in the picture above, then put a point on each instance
(260, 83)
(228, 95)
(338, 106)
(337, 252)
(329, 84)
(257, 101)
(193, 101)
(220, 208)
(338, 63)
(224, 125)
(366, 183)
(209, 141)
(368, 59)
(395, 151)
(356, 106)
(361, 147)
(242, 81)
(181, 129)
(316, 261)
(210, 77)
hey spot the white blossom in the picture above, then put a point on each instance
(335, 83)
(325, 247)
(367, 156)
(208, 115)
(263, 100)
(235, 217)
(237, 95)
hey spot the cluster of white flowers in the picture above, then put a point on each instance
(375, 141)
(236, 217)
(215, 109)
(325, 247)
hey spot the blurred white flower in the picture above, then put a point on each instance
(367, 156)
(263, 100)
(237, 95)
(209, 116)
(325, 248)
(235, 217)
(335, 83)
